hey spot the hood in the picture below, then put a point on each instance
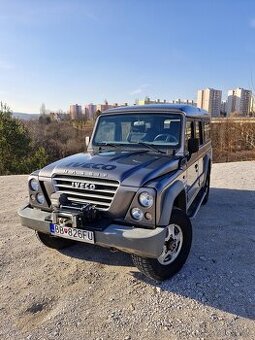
(131, 168)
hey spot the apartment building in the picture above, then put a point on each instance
(75, 111)
(210, 100)
(90, 110)
(223, 109)
(239, 101)
(104, 107)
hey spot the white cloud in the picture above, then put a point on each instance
(140, 89)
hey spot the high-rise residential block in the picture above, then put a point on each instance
(210, 100)
(239, 101)
(252, 106)
(223, 108)
(75, 111)
(91, 109)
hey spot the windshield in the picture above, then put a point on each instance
(139, 129)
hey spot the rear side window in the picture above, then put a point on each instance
(207, 131)
(199, 131)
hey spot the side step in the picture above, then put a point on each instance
(196, 204)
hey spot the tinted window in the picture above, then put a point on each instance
(190, 132)
(199, 131)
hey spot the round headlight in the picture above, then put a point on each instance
(137, 214)
(34, 184)
(145, 199)
(40, 198)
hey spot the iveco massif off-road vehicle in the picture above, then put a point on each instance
(147, 171)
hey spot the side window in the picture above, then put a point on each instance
(207, 131)
(199, 131)
(189, 132)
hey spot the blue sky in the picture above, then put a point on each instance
(61, 52)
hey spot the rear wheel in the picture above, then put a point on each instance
(53, 241)
(175, 249)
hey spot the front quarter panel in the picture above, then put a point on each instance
(166, 200)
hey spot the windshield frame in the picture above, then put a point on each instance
(161, 146)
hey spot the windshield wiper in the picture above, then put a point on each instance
(107, 144)
(149, 146)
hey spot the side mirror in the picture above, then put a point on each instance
(193, 145)
(87, 139)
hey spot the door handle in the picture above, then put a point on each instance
(196, 167)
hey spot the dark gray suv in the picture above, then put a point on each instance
(146, 173)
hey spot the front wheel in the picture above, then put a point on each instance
(53, 242)
(175, 249)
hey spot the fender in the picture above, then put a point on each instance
(165, 204)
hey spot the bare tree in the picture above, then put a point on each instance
(43, 109)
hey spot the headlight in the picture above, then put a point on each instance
(137, 214)
(34, 184)
(40, 198)
(145, 199)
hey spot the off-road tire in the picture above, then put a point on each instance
(53, 242)
(152, 268)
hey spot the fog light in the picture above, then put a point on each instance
(148, 216)
(137, 214)
(40, 198)
(34, 184)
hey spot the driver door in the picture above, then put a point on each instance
(192, 172)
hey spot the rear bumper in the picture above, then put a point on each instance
(139, 241)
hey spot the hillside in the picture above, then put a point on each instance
(25, 116)
(87, 292)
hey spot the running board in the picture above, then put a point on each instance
(195, 206)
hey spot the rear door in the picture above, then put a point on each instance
(192, 173)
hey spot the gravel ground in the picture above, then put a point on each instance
(88, 292)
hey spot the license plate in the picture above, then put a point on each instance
(72, 233)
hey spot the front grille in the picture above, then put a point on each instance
(82, 190)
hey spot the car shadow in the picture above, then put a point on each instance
(89, 252)
(220, 270)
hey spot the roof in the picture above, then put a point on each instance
(188, 110)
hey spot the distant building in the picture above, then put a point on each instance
(239, 101)
(210, 100)
(90, 109)
(223, 108)
(75, 112)
(185, 101)
(103, 107)
(59, 116)
(252, 106)
(147, 101)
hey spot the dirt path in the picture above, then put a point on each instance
(90, 293)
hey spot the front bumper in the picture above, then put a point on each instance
(134, 240)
